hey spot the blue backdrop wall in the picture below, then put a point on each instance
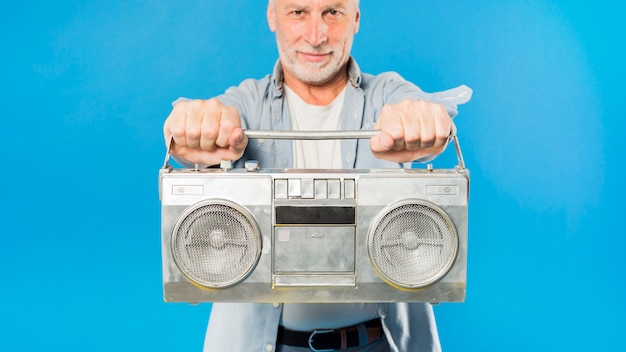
(86, 85)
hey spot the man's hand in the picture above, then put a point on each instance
(411, 130)
(205, 132)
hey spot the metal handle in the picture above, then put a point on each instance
(459, 154)
(323, 135)
(292, 135)
(318, 135)
(311, 135)
(168, 153)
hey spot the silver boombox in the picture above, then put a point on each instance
(301, 235)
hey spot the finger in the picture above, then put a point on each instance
(238, 140)
(381, 143)
(209, 131)
(413, 132)
(434, 125)
(428, 131)
(228, 121)
(193, 129)
(167, 134)
(398, 132)
(390, 122)
(174, 127)
(443, 128)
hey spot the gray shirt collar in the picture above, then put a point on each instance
(354, 76)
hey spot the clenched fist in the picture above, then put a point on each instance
(205, 132)
(411, 130)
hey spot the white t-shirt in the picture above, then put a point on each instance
(324, 154)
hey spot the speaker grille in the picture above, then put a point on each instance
(216, 244)
(413, 244)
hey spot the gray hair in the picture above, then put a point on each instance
(271, 2)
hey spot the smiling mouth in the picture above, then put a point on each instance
(314, 57)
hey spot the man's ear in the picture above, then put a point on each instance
(358, 21)
(271, 16)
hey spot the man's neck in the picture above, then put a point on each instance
(322, 94)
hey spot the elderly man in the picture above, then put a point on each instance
(317, 85)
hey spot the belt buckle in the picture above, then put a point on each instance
(315, 332)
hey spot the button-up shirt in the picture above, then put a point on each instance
(261, 104)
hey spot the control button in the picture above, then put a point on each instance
(349, 188)
(307, 188)
(334, 189)
(226, 165)
(295, 188)
(280, 189)
(321, 189)
(251, 165)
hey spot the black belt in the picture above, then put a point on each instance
(333, 339)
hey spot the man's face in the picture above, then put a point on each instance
(314, 37)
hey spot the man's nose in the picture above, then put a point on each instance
(317, 31)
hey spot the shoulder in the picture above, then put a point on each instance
(389, 76)
(248, 93)
(251, 86)
(389, 88)
(267, 86)
(388, 82)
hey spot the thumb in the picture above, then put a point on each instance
(238, 140)
(382, 142)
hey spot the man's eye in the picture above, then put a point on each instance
(297, 12)
(333, 13)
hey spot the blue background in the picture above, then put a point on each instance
(86, 86)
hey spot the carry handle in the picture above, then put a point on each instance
(311, 135)
(318, 135)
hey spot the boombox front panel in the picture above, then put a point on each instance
(314, 236)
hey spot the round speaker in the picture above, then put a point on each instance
(412, 244)
(216, 243)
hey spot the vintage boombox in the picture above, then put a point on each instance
(299, 235)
